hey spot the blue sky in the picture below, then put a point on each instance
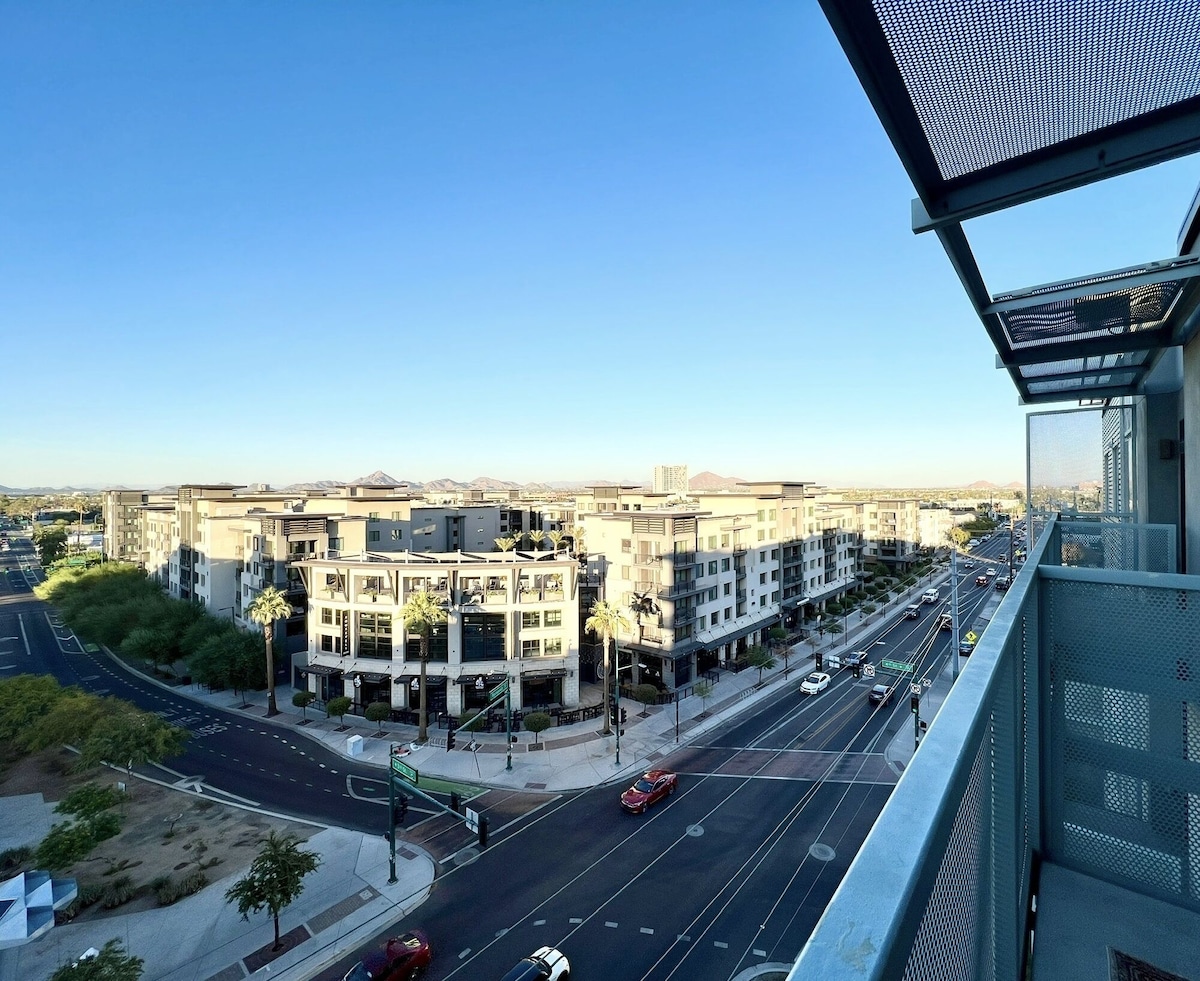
(300, 241)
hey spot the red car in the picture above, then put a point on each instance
(404, 958)
(650, 788)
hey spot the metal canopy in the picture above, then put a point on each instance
(990, 105)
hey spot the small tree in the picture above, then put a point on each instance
(302, 700)
(536, 722)
(759, 657)
(778, 637)
(338, 706)
(275, 879)
(128, 738)
(378, 712)
(647, 695)
(537, 536)
(704, 691)
(111, 964)
(464, 721)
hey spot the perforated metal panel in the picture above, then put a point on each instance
(1124, 680)
(992, 81)
(1116, 545)
(948, 940)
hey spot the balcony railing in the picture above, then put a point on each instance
(676, 589)
(683, 558)
(684, 616)
(1052, 750)
(647, 560)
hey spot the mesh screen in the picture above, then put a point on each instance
(1066, 461)
(991, 81)
(1124, 685)
(1128, 311)
(1109, 545)
(951, 930)
(1096, 363)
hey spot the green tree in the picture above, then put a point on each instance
(24, 699)
(704, 691)
(556, 539)
(338, 706)
(111, 964)
(275, 879)
(647, 695)
(378, 712)
(128, 737)
(537, 537)
(420, 615)
(302, 700)
(269, 607)
(145, 644)
(51, 545)
(88, 801)
(536, 722)
(577, 535)
(506, 543)
(607, 620)
(759, 657)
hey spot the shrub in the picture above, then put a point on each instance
(338, 706)
(11, 859)
(118, 892)
(476, 726)
(378, 712)
(88, 801)
(65, 845)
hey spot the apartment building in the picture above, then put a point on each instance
(890, 532)
(706, 577)
(671, 479)
(511, 615)
(934, 525)
(122, 515)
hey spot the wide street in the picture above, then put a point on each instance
(732, 871)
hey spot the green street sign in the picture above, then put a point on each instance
(900, 666)
(500, 689)
(404, 771)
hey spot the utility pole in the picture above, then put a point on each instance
(954, 655)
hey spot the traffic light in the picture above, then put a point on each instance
(450, 739)
(856, 670)
(818, 661)
(483, 830)
(401, 809)
(915, 704)
(455, 801)
(617, 717)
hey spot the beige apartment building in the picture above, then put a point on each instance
(511, 615)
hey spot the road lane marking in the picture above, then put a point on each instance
(610, 924)
(647, 930)
(465, 953)
(721, 943)
(575, 919)
(539, 922)
(758, 953)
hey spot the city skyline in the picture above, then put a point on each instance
(284, 243)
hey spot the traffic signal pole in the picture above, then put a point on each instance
(954, 641)
(392, 829)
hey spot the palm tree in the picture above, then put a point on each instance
(577, 534)
(556, 539)
(642, 605)
(537, 537)
(607, 620)
(505, 544)
(269, 606)
(422, 613)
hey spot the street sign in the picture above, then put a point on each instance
(971, 637)
(915, 689)
(500, 690)
(902, 666)
(927, 682)
(868, 670)
(404, 770)
(472, 820)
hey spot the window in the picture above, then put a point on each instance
(762, 515)
(331, 645)
(397, 516)
(725, 565)
(712, 620)
(762, 600)
(531, 620)
(375, 636)
(335, 544)
(775, 553)
(712, 541)
(774, 575)
(531, 648)
(483, 637)
(724, 541)
(728, 613)
(373, 536)
(762, 556)
(762, 578)
(775, 596)
(438, 645)
(727, 589)
(771, 515)
(552, 618)
(397, 534)
(762, 535)
(552, 647)
(712, 567)
(712, 594)
(332, 617)
(373, 517)
(626, 545)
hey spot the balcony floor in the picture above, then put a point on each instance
(1080, 919)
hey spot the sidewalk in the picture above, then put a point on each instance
(348, 899)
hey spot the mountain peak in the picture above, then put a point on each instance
(378, 479)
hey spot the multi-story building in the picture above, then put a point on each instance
(934, 525)
(671, 479)
(511, 615)
(122, 515)
(890, 532)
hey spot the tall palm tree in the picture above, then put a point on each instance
(556, 539)
(642, 605)
(577, 534)
(268, 607)
(422, 613)
(607, 620)
(537, 537)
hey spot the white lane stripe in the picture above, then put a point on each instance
(610, 924)
(646, 930)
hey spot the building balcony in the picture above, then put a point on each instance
(740, 548)
(646, 560)
(683, 617)
(677, 589)
(1059, 775)
(683, 558)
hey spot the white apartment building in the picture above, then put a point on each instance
(122, 515)
(933, 526)
(671, 479)
(720, 569)
(511, 615)
(890, 532)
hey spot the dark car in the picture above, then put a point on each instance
(651, 787)
(1002, 583)
(912, 611)
(879, 695)
(966, 647)
(981, 580)
(855, 659)
(401, 959)
(544, 964)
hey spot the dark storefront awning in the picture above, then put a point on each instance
(372, 678)
(486, 680)
(320, 669)
(550, 673)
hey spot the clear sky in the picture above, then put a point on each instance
(535, 241)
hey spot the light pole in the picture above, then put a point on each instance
(617, 712)
(954, 641)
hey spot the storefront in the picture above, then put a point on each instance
(475, 688)
(435, 692)
(330, 683)
(542, 689)
(372, 687)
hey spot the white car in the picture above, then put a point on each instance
(816, 682)
(544, 964)
(991, 572)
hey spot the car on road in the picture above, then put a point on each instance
(981, 580)
(544, 964)
(969, 564)
(991, 572)
(651, 787)
(1003, 557)
(945, 622)
(1003, 583)
(930, 596)
(912, 611)
(816, 682)
(879, 695)
(401, 959)
(966, 647)
(855, 659)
